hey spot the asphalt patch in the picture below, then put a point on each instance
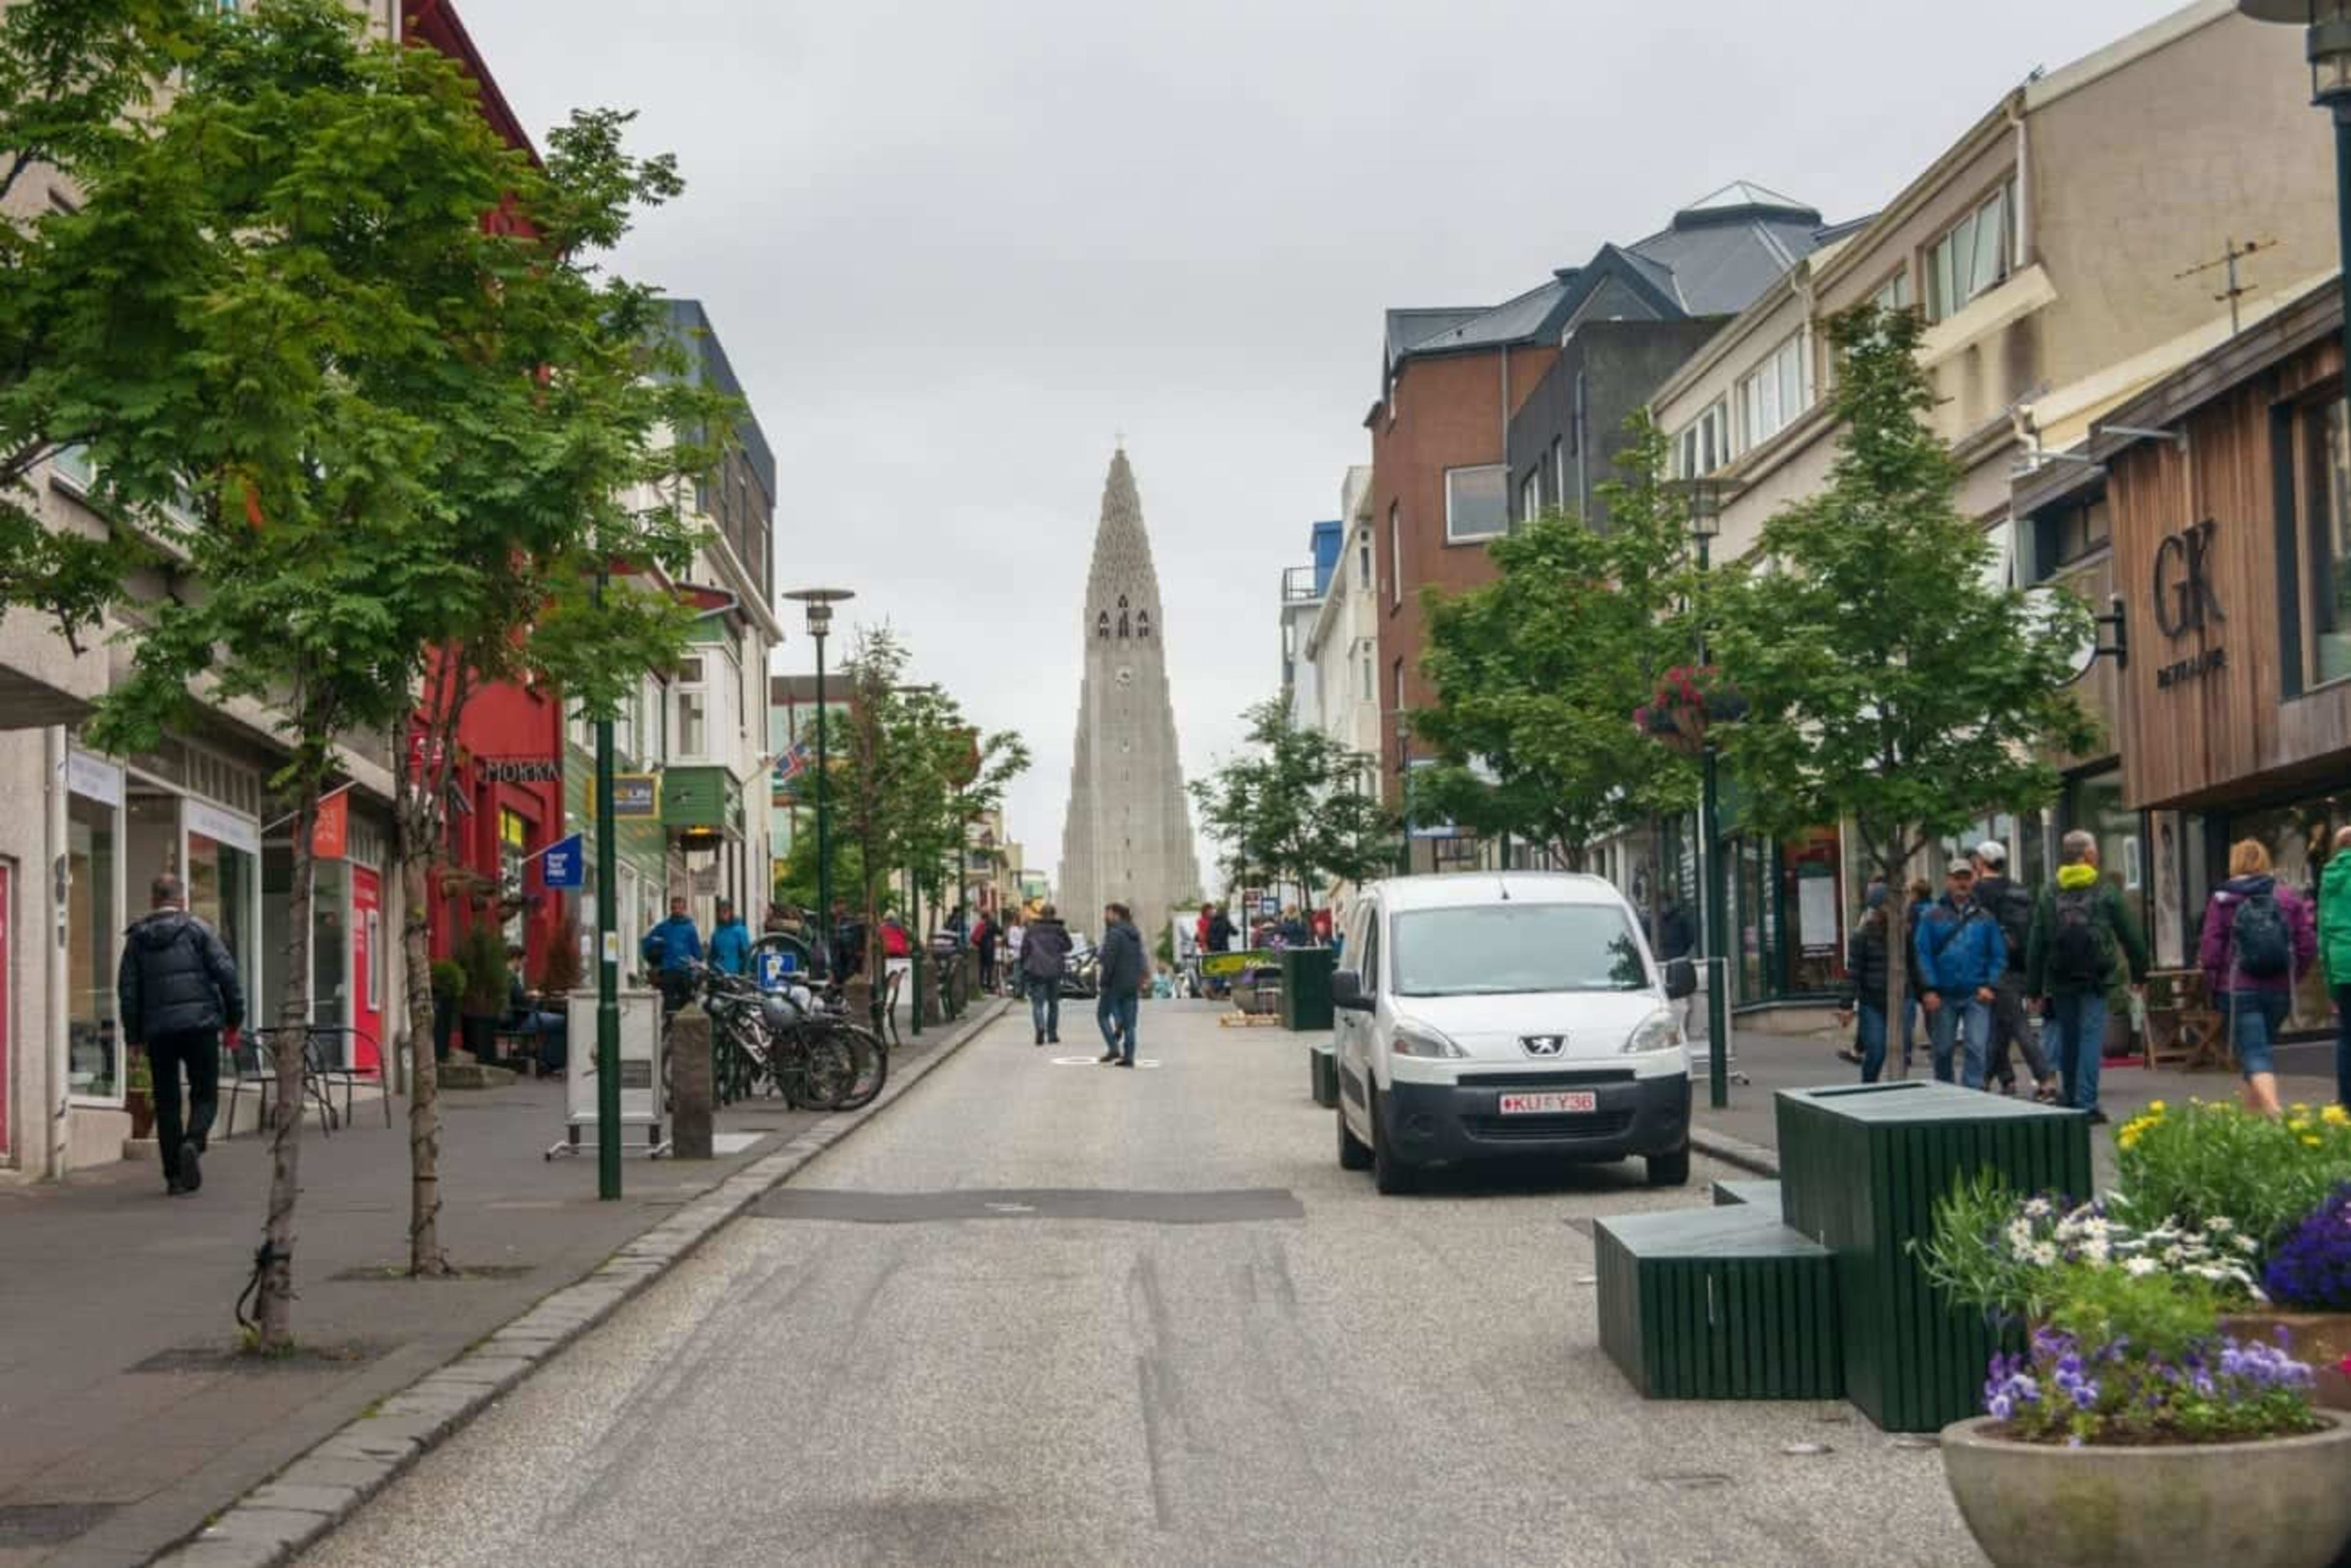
(48, 1523)
(1235, 1206)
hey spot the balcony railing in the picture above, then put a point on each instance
(1298, 585)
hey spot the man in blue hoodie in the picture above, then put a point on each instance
(730, 942)
(1960, 956)
(667, 949)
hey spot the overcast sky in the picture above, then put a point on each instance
(952, 249)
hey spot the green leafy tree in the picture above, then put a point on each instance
(1537, 674)
(346, 410)
(1892, 682)
(1294, 807)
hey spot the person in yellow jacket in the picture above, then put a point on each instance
(2078, 926)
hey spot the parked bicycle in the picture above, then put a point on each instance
(790, 1043)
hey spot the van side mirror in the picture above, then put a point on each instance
(1681, 978)
(1347, 991)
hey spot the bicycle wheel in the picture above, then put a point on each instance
(828, 1072)
(870, 1061)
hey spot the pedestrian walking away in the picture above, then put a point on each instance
(984, 936)
(2079, 926)
(1044, 958)
(1960, 953)
(1016, 933)
(2009, 903)
(730, 942)
(177, 992)
(1122, 969)
(1867, 960)
(2259, 940)
(1677, 939)
(667, 949)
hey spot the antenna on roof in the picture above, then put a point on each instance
(2228, 259)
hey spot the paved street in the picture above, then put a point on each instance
(1042, 1313)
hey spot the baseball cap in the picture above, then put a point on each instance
(1991, 852)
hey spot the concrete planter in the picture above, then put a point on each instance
(2283, 1504)
(2322, 1339)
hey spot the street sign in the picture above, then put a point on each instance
(636, 795)
(775, 967)
(566, 866)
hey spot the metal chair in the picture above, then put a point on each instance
(253, 1064)
(896, 983)
(327, 1069)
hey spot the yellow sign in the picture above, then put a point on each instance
(1217, 966)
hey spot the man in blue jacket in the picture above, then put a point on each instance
(730, 942)
(667, 949)
(1960, 955)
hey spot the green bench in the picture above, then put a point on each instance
(1718, 1303)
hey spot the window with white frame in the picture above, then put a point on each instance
(1364, 560)
(1371, 677)
(1477, 502)
(1395, 552)
(1894, 293)
(1971, 258)
(1780, 389)
(1703, 444)
(689, 724)
(1530, 495)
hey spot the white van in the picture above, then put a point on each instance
(1494, 1013)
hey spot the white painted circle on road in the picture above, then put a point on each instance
(1140, 1061)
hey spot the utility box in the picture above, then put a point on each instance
(1718, 1303)
(1306, 989)
(1861, 1169)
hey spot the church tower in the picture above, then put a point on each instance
(1127, 834)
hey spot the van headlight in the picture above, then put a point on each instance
(1658, 1031)
(1420, 1040)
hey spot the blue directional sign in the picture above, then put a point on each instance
(566, 866)
(775, 967)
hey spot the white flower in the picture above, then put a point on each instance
(2140, 1268)
(2247, 1244)
(2037, 1208)
(2220, 1225)
(2045, 1253)
(2095, 1252)
(2020, 1235)
(2174, 1254)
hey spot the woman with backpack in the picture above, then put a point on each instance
(2259, 939)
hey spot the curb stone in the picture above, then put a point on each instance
(1737, 1152)
(325, 1485)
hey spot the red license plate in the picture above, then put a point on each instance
(1566, 1103)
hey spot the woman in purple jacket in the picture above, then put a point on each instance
(2259, 939)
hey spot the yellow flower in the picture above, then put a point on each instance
(2336, 1116)
(2297, 1125)
(2155, 1106)
(2128, 1138)
(2309, 1140)
(2300, 1107)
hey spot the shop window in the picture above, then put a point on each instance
(2325, 549)
(514, 848)
(222, 883)
(330, 943)
(93, 1049)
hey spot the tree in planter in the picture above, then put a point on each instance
(1294, 807)
(482, 954)
(1890, 683)
(346, 384)
(1536, 672)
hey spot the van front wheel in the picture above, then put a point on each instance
(1389, 1174)
(1670, 1170)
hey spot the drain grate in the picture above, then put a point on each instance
(231, 1358)
(48, 1523)
(383, 1273)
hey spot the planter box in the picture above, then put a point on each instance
(1861, 1167)
(2322, 1339)
(2282, 1503)
(1718, 1303)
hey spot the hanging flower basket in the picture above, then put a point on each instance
(1686, 704)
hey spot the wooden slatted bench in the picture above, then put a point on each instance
(1718, 1303)
(1764, 1195)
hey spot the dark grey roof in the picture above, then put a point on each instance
(1715, 259)
(690, 322)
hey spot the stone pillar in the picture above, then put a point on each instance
(690, 1086)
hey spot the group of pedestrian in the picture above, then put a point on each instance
(1990, 953)
(1123, 966)
(672, 948)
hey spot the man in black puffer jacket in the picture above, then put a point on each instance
(177, 990)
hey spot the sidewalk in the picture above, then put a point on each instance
(124, 1423)
(1745, 1132)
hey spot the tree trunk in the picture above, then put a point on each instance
(416, 856)
(274, 1303)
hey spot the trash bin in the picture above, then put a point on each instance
(1306, 988)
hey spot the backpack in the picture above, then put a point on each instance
(2264, 948)
(2014, 913)
(2077, 952)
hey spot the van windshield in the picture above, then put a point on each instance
(1494, 948)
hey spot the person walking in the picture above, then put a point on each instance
(1016, 933)
(177, 992)
(1677, 939)
(2335, 950)
(1044, 956)
(2078, 926)
(730, 942)
(1960, 953)
(1122, 969)
(1922, 899)
(2009, 903)
(1292, 929)
(1867, 955)
(2258, 940)
(984, 936)
(668, 948)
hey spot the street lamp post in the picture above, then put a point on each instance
(608, 963)
(1704, 524)
(2327, 25)
(820, 603)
